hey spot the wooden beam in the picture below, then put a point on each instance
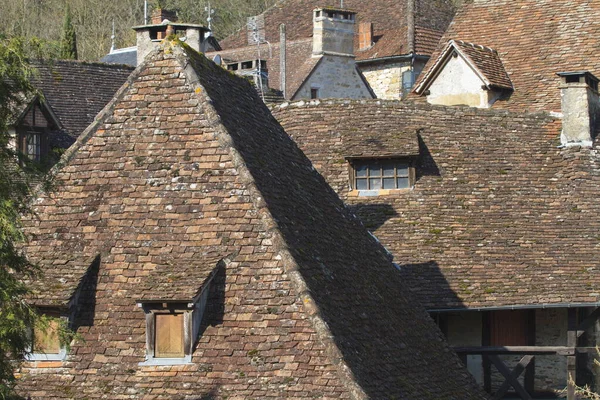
(588, 322)
(532, 350)
(571, 360)
(486, 337)
(529, 378)
(511, 376)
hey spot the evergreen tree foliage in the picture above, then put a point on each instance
(69, 39)
(16, 317)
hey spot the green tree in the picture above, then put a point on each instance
(69, 39)
(16, 317)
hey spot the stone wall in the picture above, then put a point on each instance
(335, 77)
(551, 330)
(464, 329)
(386, 79)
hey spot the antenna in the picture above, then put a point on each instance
(210, 12)
(112, 38)
(145, 12)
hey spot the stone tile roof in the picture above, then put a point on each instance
(61, 278)
(387, 16)
(485, 62)
(77, 91)
(297, 76)
(186, 161)
(179, 281)
(499, 214)
(535, 40)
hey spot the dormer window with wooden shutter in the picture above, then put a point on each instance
(173, 322)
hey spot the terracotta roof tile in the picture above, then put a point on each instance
(484, 60)
(77, 91)
(388, 17)
(185, 162)
(60, 278)
(499, 214)
(534, 40)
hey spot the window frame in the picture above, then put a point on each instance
(356, 162)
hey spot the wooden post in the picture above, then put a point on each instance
(486, 341)
(529, 378)
(572, 359)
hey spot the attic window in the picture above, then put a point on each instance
(314, 93)
(247, 65)
(172, 329)
(46, 344)
(375, 175)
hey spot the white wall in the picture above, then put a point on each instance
(457, 84)
(335, 77)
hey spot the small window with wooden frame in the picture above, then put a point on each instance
(46, 340)
(172, 329)
(376, 175)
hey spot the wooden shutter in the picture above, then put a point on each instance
(168, 336)
(511, 328)
(46, 340)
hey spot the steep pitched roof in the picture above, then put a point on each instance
(387, 16)
(77, 91)
(499, 214)
(484, 61)
(187, 162)
(534, 42)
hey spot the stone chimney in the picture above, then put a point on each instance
(333, 31)
(580, 108)
(365, 35)
(163, 23)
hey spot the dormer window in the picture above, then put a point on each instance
(46, 343)
(375, 175)
(172, 329)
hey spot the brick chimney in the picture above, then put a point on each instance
(580, 107)
(333, 31)
(365, 35)
(160, 14)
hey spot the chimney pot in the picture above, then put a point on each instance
(160, 14)
(365, 35)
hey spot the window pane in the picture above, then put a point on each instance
(375, 169)
(33, 146)
(46, 340)
(388, 169)
(168, 336)
(403, 183)
(361, 170)
(402, 170)
(361, 184)
(388, 183)
(374, 183)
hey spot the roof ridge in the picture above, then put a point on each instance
(414, 105)
(475, 46)
(51, 63)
